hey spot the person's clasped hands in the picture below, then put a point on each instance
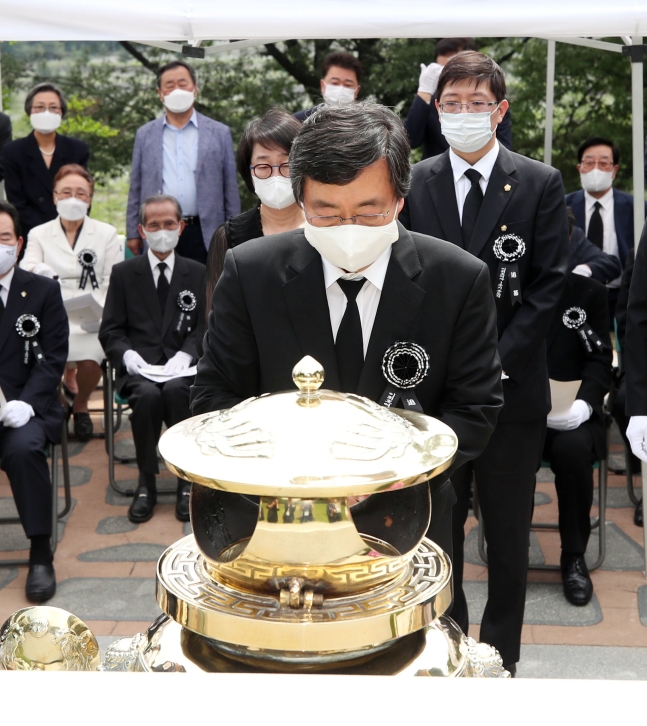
(578, 413)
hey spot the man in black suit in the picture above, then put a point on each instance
(31, 163)
(576, 437)
(5, 136)
(33, 349)
(154, 308)
(508, 211)
(350, 285)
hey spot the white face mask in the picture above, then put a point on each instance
(596, 180)
(179, 100)
(338, 95)
(45, 122)
(352, 246)
(7, 257)
(466, 131)
(275, 192)
(164, 240)
(71, 209)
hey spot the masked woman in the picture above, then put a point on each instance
(78, 251)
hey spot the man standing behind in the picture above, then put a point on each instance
(341, 76)
(508, 211)
(185, 155)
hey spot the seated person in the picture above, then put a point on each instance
(154, 306)
(31, 367)
(79, 252)
(575, 439)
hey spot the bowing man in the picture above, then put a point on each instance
(508, 211)
(153, 307)
(33, 351)
(349, 285)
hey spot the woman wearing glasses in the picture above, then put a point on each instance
(262, 161)
(31, 163)
(78, 251)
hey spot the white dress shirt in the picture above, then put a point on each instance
(154, 262)
(367, 300)
(5, 284)
(462, 184)
(180, 162)
(609, 238)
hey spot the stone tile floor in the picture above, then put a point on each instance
(106, 571)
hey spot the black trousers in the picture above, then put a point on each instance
(440, 527)
(152, 404)
(505, 480)
(571, 456)
(22, 456)
(191, 244)
(622, 420)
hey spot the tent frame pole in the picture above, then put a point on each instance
(550, 103)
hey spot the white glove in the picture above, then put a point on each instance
(133, 362)
(45, 270)
(429, 76)
(178, 363)
(583, 270)
(16, 414)
(579, 412)
(637, 435)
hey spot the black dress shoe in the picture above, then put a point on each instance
(144, 501)
(578, 588)
(638, 514)
(182, 502)
(41, 583)
(512, 669)
(83, 426)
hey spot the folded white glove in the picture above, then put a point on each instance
(133, 362)
(637, 435)
(16, 414)
(429, 76)
(45, 270)
(178, 363)
(583, 270)
(579, 412)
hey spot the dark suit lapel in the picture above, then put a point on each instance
(37, 165)
(305, 297)
(147, 291)
(179, 280)
(16, 302)
(442, 191)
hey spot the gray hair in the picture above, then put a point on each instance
(337, 142)
(157, 199)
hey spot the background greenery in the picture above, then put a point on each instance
(111, 87)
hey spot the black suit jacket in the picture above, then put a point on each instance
(634, 353)
(5, 136)
(29, 183)
(35, 383)
(270, 309)
(569, 360)
(132, 317)
(581, 251)
(522, 198)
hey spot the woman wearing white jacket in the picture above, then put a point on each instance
(78, 251)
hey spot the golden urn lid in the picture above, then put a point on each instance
(308, 443)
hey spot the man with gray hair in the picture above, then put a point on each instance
(349, 286)
(154, 307)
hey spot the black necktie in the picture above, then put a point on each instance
(472, 206)
(596, 228)
(349, 344)
(162, 286)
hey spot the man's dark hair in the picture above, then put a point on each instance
(342, 59)
(475, 67)
(158, 199)
(275, 129)
(337, 142)
(598, 141)
(451, 46)
(41, 88)
(6, 208)
(176, 64)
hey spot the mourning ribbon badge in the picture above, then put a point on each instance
(404, 366)
(509, 249)
(28, 326)
(88, 259)
(187, 302)
(575, 319)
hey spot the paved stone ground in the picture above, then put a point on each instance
(106, 572)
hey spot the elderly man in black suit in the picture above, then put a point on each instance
(154, 308)
(33, 351)
(509, 212)
(351, 284)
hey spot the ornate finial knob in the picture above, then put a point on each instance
(308, 375)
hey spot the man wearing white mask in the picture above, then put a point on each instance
(508, 211)
(340, 82)
(188, 156)
(153, 313)
(351, 285)
(31, 163)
